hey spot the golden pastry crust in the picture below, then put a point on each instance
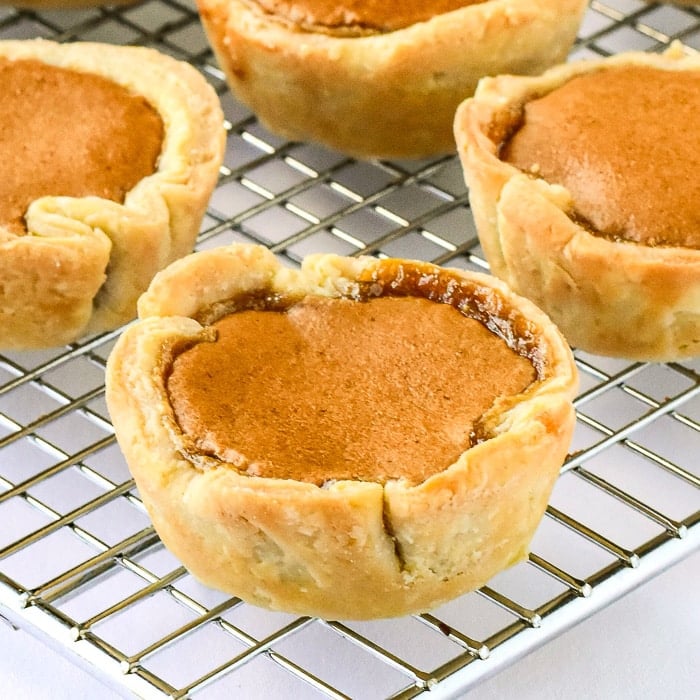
(381, 94)
(348, 549)
(85, 261)
(609, 297)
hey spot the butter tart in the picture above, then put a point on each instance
(108, 156)
(378, 79)
(360, 438)
(584, 188)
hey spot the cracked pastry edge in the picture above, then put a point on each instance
(84, 261)
(614, 298)
(386, 94)
(348, 549)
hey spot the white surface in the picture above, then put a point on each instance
(644, 645)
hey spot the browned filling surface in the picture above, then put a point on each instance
(377, 15)
(337, 389)
(625, 142)
(67, 133)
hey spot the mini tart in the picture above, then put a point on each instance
(74, 257)
(611, 290)
(375, 79)
(347, 546)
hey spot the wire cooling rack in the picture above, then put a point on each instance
(80, 565)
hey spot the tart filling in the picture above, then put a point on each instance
(367, 16)
(116, 141)
(628, 157)
(360, 438)
(330, 389)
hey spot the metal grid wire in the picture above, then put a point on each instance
(80, 564)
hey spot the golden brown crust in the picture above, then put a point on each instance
(349, 549)
(387, 94)
(608, 297)
(86, 260)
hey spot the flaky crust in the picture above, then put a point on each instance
(85, 261)
(608, 297)
(389, 94)
(348, 549)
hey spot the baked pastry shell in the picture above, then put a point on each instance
(348, 549)
(391, 94)
(84, 261)
(608, 297)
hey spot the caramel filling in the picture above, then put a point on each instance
(66, 133)
(384, 389)
(625, 142)
(374, 15)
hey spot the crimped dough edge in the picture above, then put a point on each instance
(619, 299)
(352, 550)
(84, 261)
(391, 94)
